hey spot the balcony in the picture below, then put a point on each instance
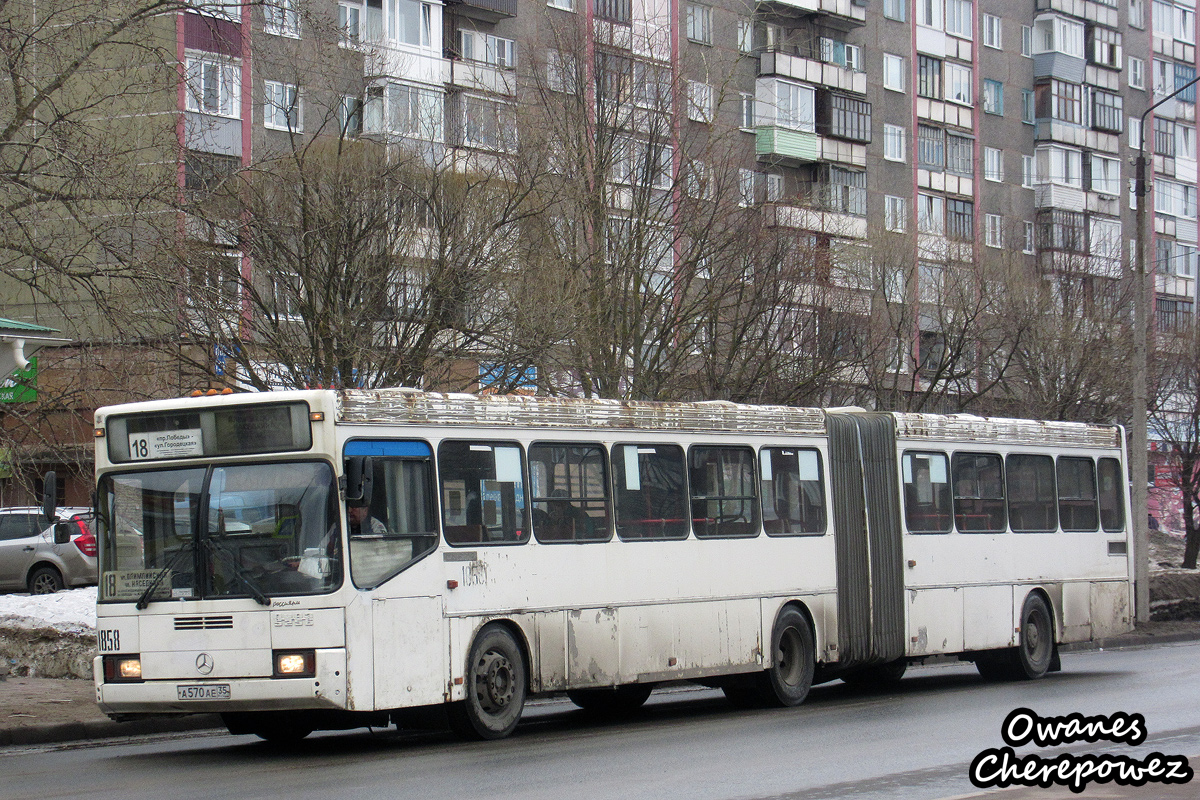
(811, 70)
(485, 10)
(775, 143)
(481, 76)
(845, 14)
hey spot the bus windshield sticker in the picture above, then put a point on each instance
(633, 477)
(809, 470)
(937, 470)
(764, 462)
(906, 468)
(129, 584)
(508, 464)
(165, 444)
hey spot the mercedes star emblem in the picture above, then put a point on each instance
(204, 663)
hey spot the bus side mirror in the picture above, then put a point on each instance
(360, 479)
(62, 533)
(50, 495)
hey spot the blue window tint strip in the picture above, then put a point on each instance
(360, 447)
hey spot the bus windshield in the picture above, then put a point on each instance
(253, 530)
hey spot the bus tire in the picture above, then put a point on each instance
(793, 661)
(1035, 650)
(616, 700)
(496, 682)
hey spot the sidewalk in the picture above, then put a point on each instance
(47, 710)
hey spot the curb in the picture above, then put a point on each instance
(105, 729)
(1129, 641)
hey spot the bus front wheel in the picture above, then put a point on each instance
(496, 683)
(793, 660)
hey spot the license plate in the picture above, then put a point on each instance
(209, 691)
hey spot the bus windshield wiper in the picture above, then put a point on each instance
(144, 599)
(258, 594)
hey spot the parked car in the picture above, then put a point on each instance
(31, 561)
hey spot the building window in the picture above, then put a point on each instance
(931, 147)
(1163, 76)
(895, 213)
(747, 111)
(959, 87)
(1054, 34)
(1137, 73)
(1027, 41)
(1174, 316)
(845, 192)
(204, 172)
(894, 145)
(1108, 111)
(1027, 244)
(350, 116)
(992, 31)
(1137, 13)
(404, 110)
(959, 19)
(745, 35)
(1185, 142)
(1185, 74)
(476, 46)
(1061, 230)
(613, 10)
(1104, 238)
(699, 23)
(993, 164)
(929, 77)
(849, 118)
(214, 87)
(487, 124)
(1106, 47)
(1174, 199)
(1061, 100)
(700, 102)
(563, 5)
(993, 230)
(795, 106)
(1061, 165)
(929, 13)
(960, 154)
(1027, 176)
(993, 97)
(835, 51)
(1106, 175)
(349, 23)
(896, 9)
(893, 72)
(931, 214)
(280, 18)
(281, 109)
(960, 219)
(1028, 106)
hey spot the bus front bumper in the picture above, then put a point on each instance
(326, 690)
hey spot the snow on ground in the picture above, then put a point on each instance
(73, 610)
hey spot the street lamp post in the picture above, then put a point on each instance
(1138, 438)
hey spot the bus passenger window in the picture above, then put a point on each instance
(979, 493)
(483, 493)
(724, 494)
(1077, 494)
(568, 485)
(1112, 496)
(793, 494)
(650, 491)
(1031, 493)
(926, 492)
(401, 522)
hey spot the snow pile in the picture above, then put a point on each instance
(72, 611)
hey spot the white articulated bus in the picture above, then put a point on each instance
(333, 559)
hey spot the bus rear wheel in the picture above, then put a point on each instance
(617, 700)
(793, 661)
(496, 682)
(1034, 653)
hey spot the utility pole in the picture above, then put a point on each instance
(1138, 441)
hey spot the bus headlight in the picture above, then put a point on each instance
(295, 664)
(122, 669)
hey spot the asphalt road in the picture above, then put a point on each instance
(915, 742)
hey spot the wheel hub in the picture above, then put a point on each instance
(495, 684)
